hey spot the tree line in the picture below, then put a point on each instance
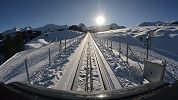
(14, 43)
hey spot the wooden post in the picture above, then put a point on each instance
(127, 52)
(100, 39)
(60, 48)
(119, 49)
(49, 57)
(107, 43)
(26, 67)
(65, 46)
(111, 45)
(103, 42)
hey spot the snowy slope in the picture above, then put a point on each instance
(36, 44)
(51, 27)
(14, 70)
(42, 40)
(161, 35)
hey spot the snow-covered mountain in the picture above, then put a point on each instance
(83, 27)
(152, 23)
(17, 29)
(14, 30)
(43, 29)
(106, 27)
(51, 27)
(115, 26)
(28, 28)
(159, 23)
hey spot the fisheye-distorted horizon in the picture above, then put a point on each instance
(35, 13)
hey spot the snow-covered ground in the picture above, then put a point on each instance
(159, 51)
(37, 59)
(49, 74)
(46, 38)
(36, 44)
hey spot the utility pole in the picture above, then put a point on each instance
(147, 47)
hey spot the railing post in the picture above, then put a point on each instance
(49, 57)
(111, 45)
(65, 46)
(127, 52)
(107, 43)
(60, 48)
(100, 40)
(104, 42)
(119, 49)
(26, 67)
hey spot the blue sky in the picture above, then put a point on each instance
(35, 13)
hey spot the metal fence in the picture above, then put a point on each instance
(16, 64)
(137, 52)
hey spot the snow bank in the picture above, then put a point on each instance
(36, 44)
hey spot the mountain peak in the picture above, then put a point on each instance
(51, 27)
(81, 25)
(27, 28)
(13, 30)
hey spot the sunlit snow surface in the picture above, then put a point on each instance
(13, 70)
(163, 45)
(163, 48)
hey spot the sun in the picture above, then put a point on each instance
(100, 20)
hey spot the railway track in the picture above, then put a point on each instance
(90, 72)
